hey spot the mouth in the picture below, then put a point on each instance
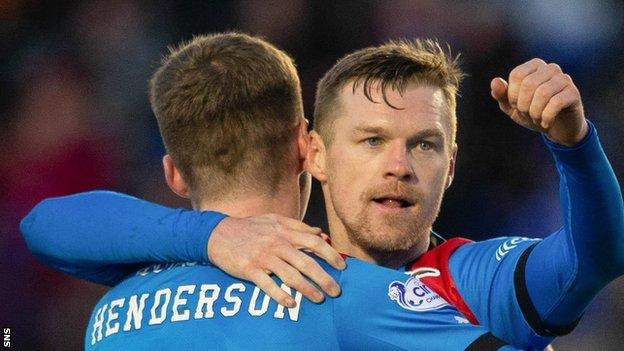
(392, 201)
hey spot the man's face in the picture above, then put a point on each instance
(386, 169)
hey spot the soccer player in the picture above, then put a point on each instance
(228, 105)
(391, 109)
(384, 151)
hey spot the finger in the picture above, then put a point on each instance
(498, 88)
(517, 75)
(325, 238)
(268, 285)
(542, 96)
(531, 83)
(311, 269)
(298, 225)
(565, 98)
(292, 278)
(320, 248)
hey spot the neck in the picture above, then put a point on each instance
(283, 202)
(390, 259)
(400, 258)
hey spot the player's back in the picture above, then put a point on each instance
(191, 306)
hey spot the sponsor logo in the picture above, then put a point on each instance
(414, 295)
(509, 245)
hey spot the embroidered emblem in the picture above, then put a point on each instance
(414, 295)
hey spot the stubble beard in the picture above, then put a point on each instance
(393, 234)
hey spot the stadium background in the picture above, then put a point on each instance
(74, 116)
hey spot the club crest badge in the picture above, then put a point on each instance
(414, 295)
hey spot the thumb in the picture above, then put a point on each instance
(498, 88)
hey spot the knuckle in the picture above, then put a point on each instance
(542, 92)
(557, 100)
(290, 281)
(244, 267)
(537, 61)
(316, 242)
(291, 278)
(308, 266)
(272, 290)
(556, 104)
(259, 257)
(554, 67)
(308, 289)
(528, 85)
(299, 284)
(514, 74)
(522, 107)
(283, 248)
(272, 241)
(533, 114)
(559, 79)
(327, 284)
(283, 298)
(252, 262)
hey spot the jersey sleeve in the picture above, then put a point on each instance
(484, 274)
(529, 291)
(101, 236)
(588, 252)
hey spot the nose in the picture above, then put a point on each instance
(397, 164)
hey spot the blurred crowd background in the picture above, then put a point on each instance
(75, 116)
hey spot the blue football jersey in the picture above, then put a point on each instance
(189, 306)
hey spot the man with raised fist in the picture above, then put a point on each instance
(384, 151)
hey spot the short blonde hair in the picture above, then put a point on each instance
(227, 105)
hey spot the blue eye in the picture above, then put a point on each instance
(425, 145)
(373, 141)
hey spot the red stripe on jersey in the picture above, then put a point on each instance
(438, 259)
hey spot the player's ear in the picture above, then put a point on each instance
(174, 177)
(451, 172)
(317, 155)
(303, 141)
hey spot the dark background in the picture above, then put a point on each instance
(74, 116)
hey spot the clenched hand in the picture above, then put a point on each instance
(540, 97)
